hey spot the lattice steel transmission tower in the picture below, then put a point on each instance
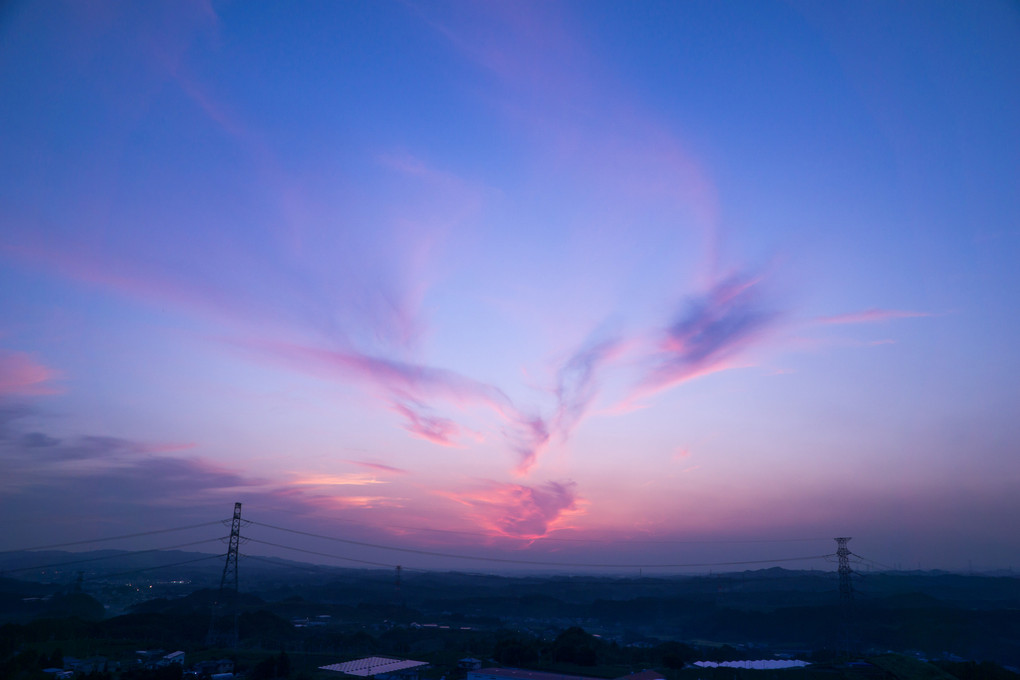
(226, 600)
(846, 591)
(229, 578)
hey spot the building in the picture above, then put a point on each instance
(172, 657)
(380, 667)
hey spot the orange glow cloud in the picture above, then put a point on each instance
(346, 502)
(518, 511)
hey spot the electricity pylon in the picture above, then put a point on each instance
(846, 591)
(228, 590)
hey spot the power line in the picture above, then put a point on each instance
(289, 565)
(884, 566)
(108, 557)
(320, 554)
(161, 566)
(582, 540)
(505, 560)
(114, 538)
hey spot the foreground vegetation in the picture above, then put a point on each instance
(591, 626)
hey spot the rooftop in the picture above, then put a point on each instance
(373, 665)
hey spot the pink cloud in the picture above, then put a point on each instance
(325, 480)
(518, 511)
(408, 386)
(129, 279)
(405, 380)
(437, 430)
(529, 438)
(379, 467)
(364, 502)
(20, 374)
(873, 315)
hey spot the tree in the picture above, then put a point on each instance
(574, 645)
(515, 650)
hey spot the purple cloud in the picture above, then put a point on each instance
(712, 330)
(577, 383)
(96, 485)
(528, 436)
(42, 447)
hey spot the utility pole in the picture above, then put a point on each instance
(228, 589)
(400, 601)
(846, 590)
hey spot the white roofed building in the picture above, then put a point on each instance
(381, 667)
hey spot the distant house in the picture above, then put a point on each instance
(380, 667)
(149, 657)
(59, 673)
(469, 664)
(756, 664)
(172, 657)
(96, 664)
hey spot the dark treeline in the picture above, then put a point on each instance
(597, 626)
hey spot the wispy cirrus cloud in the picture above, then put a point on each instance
(379, 467)
(335, 480)
(713, 329)
(365, 502)
(528, 436)
(519, 511)
(398, 377)
(872, 315)
(408, 387)
(577, 381)
(435, 429)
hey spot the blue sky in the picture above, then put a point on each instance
(603, 272)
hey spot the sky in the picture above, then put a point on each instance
(646, 285)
